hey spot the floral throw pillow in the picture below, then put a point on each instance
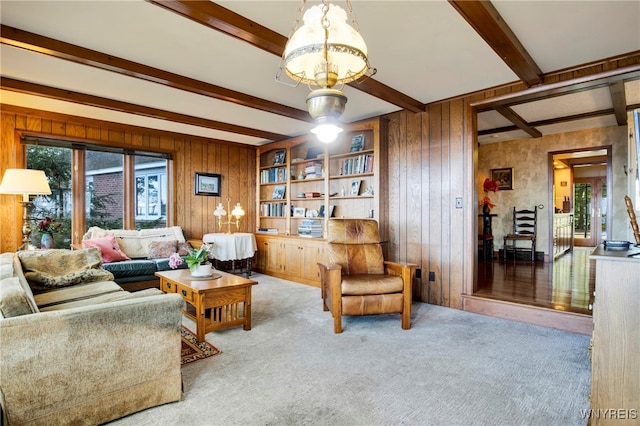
(162, 249)
(184, 248)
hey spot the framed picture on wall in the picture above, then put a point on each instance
(504, 178)
(207, 184)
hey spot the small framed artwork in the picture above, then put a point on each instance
(299, 211)
(322, 210)
(357, 143)
(280, 156)
(355, 187)
(278, 192)
(503, 177)
(207, 184)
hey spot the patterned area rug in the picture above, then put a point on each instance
(193, 351)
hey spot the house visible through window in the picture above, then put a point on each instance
(105, 181)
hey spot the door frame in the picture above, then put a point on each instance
(550, 155)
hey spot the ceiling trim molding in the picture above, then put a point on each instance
(485, 19)
(550, 121)
(111, 125)
(129, 108)
(559, 88)
(80, 55)
(552, 77)
(228, 22)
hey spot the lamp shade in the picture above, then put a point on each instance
(219, 211)
(346, 50)
(25, 182)
(237, 211)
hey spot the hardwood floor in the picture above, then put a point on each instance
(564, 285)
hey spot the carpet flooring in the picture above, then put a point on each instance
(192, 350)
(451, 368)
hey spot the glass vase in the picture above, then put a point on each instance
(47, 241)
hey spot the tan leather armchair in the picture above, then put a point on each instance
(358, 281)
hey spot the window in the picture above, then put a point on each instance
(105, 180)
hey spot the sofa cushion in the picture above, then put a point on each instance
(136, 243)
(163, 264)
(6, 265)
(13, 299)
(108, 247)
(45, 269)
(162, 249)
(79, 295)
(17, 272)
(131, 268)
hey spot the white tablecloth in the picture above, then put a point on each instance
(231, 246)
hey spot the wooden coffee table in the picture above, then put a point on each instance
(213, 303)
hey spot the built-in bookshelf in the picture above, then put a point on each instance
(303, 181)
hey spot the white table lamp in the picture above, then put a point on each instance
(25, 182)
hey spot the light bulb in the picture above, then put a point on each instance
(326, 133)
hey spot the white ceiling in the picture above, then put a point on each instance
(424, 49)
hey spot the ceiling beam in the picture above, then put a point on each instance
(550, 121)
(20, 86)
(619, 101)
(513, 117)
(485, 19)
(235, 25)
(80, 55)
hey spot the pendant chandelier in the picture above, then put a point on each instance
(324, 52)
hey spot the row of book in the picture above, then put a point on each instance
(360, 164)
(273, 209)
(274, 174)
(313, 170)
(310, 228)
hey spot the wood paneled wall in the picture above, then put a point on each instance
(432, 160)
(235, 162)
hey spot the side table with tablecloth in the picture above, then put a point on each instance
(232, 252)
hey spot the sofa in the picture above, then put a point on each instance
(134, 256)
(78, 349)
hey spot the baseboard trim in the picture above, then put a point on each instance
(545, 317)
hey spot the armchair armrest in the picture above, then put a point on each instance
(94, 363)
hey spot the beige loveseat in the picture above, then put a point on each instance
(83, 353)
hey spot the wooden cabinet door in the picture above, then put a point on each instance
(292, 258)
(311, 254)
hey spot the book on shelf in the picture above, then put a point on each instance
(357, 143)
(267, 230)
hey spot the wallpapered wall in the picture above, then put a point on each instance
(531, 186)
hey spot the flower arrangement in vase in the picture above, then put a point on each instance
(48, 227)
(488, 186)
(197, 261)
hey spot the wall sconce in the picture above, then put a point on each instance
(25, 182)
(220, 212)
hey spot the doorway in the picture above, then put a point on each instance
(590, 211)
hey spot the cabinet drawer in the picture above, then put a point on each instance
(167, 286)
(187, 293)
